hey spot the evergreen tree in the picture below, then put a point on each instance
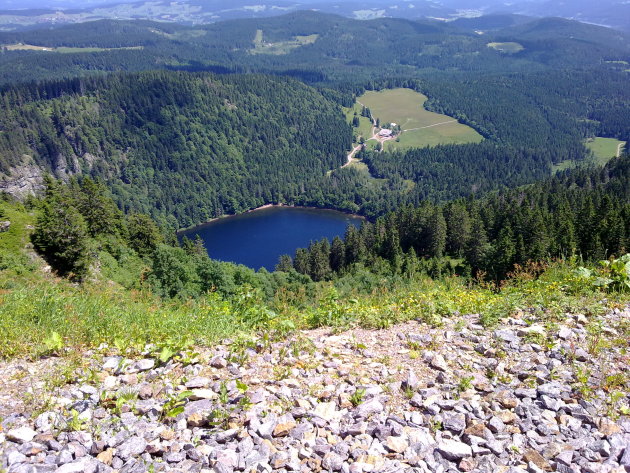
(301, 261)
(285, 263)
(319, 260)
(437, 234)
(458, 228)
(337, 254)
(144, 234)
(100, 213)
(61, 234)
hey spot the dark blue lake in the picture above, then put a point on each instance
(257, 239)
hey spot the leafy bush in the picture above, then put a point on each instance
(614, 274)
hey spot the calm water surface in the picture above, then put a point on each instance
(257, 239)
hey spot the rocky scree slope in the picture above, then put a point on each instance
(525, 396)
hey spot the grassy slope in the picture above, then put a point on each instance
(35, 304)
(405, 107)
(603, 149)
(365, 124)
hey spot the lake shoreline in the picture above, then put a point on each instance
(262, 207)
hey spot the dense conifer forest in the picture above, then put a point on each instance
(582, 213)
(185, 147)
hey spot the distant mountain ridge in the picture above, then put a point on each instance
(15, 15)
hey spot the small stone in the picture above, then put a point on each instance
(439, 363)
(411, 381)
(456, 423)
(537, 459)
(144, 365)
(553, 389)
(21, 435)
(175, 457)
(14, 457)
(506, 335)
(581, 355)
(167, 434)
(83, 465)
(496, 425)
(508, 417)
(454, 450)
(326, 410)
(368, 408)
(106, 457)
(396, 444)
(218, 362)
(467, 464)
(198, 394)
(565, 333)
(332, 461)
(507, 399)
(196, 419)
(112, 363)
(607, 427)
(227, 458)
(416, 400)
(134, 446)
(282, 430)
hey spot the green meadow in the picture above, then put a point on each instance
(604, 148)
(420, 127)
(507, 48)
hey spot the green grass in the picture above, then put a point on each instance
(32, 307)
(365, 124)
(405, 107)
(36, 307)
(507, 48)
(603, 150)
(280, 47)
(16, 238)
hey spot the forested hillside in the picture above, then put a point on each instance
(583, 213)
(316, 47)
(185, 147)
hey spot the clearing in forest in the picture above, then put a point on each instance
(603, 149)
(280, 47)
(507, 48)
(62, 49)
(419, 127)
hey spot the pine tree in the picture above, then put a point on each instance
(458, 229)
(285, 263)
(478, 246)
(99, 211)
(437, 234)
(60, 233)
(319, 260)
(337, 254)
(301, 261)
(144, 234)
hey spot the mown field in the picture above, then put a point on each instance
(420, 127)
(280, 47)
(507, 48)
(603, 149)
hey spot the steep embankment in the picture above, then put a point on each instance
(527, 395)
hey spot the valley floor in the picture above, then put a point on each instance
(523, 396)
